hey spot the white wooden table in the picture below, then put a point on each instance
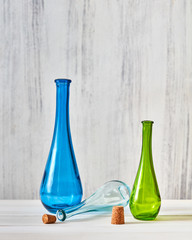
(21, 219)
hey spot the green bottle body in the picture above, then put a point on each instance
(145, 200)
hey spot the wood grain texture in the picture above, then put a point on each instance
(128, 61)
(22, 219)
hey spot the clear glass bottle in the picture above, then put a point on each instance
(112, 193)
(61, 185)
(145, 200)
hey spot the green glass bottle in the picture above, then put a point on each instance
(145, 200)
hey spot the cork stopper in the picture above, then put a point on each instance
(47, 219)
(117, 215)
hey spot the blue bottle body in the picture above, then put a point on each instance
(61, 185)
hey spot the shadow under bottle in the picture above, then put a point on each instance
(145, 200)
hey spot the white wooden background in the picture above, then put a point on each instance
(129, 60)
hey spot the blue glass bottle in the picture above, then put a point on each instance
(61, 185)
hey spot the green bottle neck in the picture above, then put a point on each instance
(147, 140)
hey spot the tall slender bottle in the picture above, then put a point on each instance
(145, 200)
(61, 184)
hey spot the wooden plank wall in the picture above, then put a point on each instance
(128, 60)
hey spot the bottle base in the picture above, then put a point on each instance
(146, 217)
(50, 209)
(53, 209)
(54, 203)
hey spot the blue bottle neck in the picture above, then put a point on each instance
(62, 107)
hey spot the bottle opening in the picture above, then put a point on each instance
(62, 80)
(147, 122)
(61, 215)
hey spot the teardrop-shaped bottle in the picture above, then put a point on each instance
(112, 193)
(145, 200)
(61, 184)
